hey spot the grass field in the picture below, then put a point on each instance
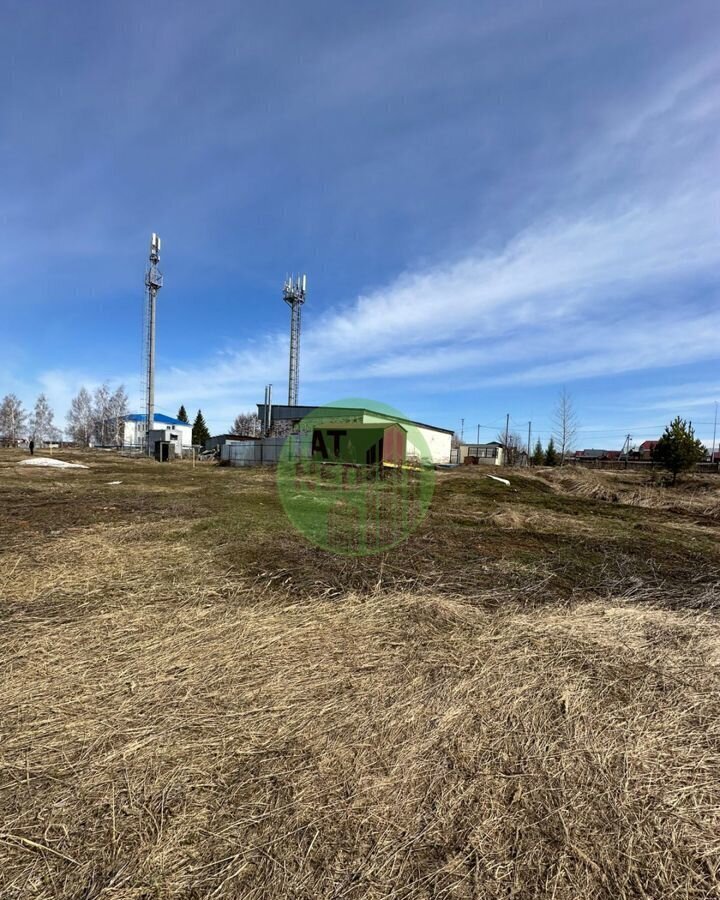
(520, 701)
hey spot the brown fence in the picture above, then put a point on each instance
(643, 464)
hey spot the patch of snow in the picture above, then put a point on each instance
(50, 463)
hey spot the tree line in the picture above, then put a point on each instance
(97, 417)
(678, 450)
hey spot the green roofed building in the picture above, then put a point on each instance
(432, 441)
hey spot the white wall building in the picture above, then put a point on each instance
(438, 441)
(173, 430)
(492, 454)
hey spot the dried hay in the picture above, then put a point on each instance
(172, 730)
(224, 745)
(696, 496)
(521, 518)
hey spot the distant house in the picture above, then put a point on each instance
(646, 449)
(590, 454)
(597, 454)
(490, 454)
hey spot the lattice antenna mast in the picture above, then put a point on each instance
(153, 283)
(294, 291)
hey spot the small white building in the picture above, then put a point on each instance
(491, 454)
(164, 428)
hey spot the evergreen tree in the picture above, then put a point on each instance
(538, 457)
(182, 415)
(678, 449)
(551, 458)
(200, 432)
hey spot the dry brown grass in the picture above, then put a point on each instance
(219, 744)
(698, 495)
(522, 517)
(173, 729)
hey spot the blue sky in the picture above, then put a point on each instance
(491, 201)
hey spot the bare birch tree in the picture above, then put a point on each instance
(246, 424)
(42, 426)
(513, 448)
(80, 418)
(12, 420)
(118, 410)
(102, 415)
(565, 424)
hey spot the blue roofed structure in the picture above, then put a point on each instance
(164, 428)
(158, 417)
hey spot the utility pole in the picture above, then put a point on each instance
(626, 448)
(478, 434)
(153, 283)
(712, 455)
(462, 430)
(507, 434)
(529, 439)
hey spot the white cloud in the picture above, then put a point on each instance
(613, 285)
(566, 300)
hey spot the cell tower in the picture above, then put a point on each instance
(153, 283)
(294, 291)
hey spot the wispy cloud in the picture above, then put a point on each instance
(563, 301)
(602, 258)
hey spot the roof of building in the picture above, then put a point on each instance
(158, 417)
(293, 413)
(234, 438)
(487, 444)
(648, 445)
(355, 426)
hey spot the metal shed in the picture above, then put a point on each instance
(359, 443)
